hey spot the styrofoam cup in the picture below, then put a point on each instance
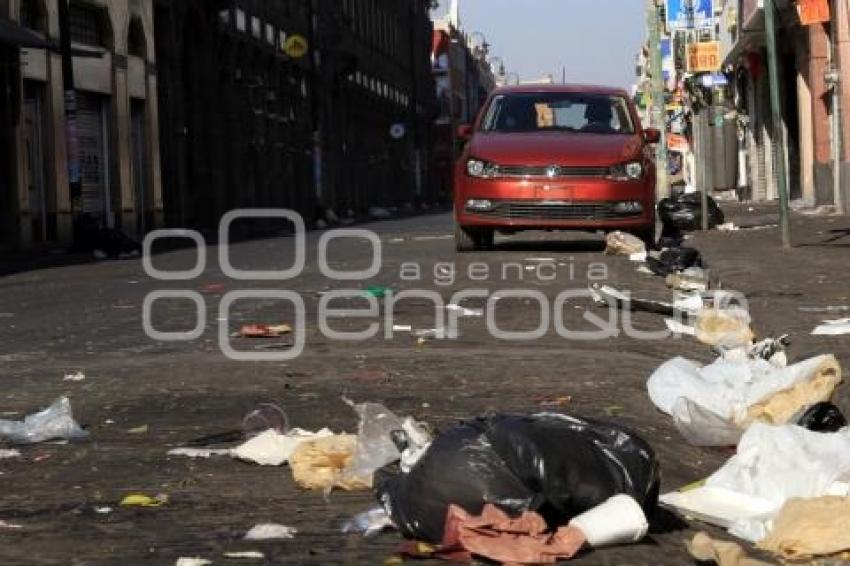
(620, 520)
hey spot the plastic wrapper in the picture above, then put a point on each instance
(620, 243)
(683, 213)
(53, 423)
(554, 465)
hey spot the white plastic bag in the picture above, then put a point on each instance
(53, 423)
(712, 405)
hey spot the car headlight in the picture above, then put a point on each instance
(626, 172)
(479, 205)
(481, 169)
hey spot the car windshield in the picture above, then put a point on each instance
(569, 112)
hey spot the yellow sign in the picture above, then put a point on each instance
(704, 57)
(296, 46)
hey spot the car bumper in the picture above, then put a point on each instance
(565, 205)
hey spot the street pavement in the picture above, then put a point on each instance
(142, 397)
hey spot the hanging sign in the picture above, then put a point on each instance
(704, 57)
(813, 12)
(296, 46)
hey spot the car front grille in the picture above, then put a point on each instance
(518, 210)
(552, 172)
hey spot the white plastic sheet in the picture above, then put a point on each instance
(773, 464)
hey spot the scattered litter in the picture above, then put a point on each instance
(271, 531)
(822, 310)
(683, 213)
(605, 296)
(728, 227)
(706, 549)
(693, 279)
(192, 562)
(807, 528)
(639, 257)
(822, 417)
(724, 327)
(55, 422)
(265, 331)
(265, 417)
(6, 525)
(384, 438)
(564, 465)
(773, 464)
(465, 312)
(141, 500)
(76, 376)
(402, 328)
(8, 454)
(321, 464)
(620, 243)
(245, 555)
(562, 401)
(432, 334)
(645, 270)
(103, 510)
(678, 327)
(143, 429)
(833, 328)
(378, 292)
(713, 405)
(675, 260)
(368, 523)
(274, 449)
(199, 453)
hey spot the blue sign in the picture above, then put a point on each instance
(689, 14)
(666, 48)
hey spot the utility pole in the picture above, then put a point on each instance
(776, 113)
(658, 111)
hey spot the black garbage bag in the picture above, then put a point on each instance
(555, 465)
(823, 417)
(674, 260)
(683, 213)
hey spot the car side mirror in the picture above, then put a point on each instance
(464, 131)
(652, 135)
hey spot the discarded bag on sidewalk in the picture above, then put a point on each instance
(683, 213)
(53, 423)
(713, 405)
(555, 465)
(620, 243)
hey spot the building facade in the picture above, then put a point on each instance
(319, 106)
(114, 181)
(463, 79)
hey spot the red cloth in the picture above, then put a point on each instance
(496, 536)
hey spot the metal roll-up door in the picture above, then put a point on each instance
(93, 158)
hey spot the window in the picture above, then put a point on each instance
(136, 38)
(270, 34)
(32, 16)
(256, 27)
(240, 19)
(87, 25)
(567, 112)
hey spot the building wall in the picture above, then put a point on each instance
(110, 75)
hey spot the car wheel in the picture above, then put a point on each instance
(486, 238)
(464, 241)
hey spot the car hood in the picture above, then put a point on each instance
(555, 148)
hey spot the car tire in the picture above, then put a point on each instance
(464, 240)
(486, 238)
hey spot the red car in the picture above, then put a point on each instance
(555, 158)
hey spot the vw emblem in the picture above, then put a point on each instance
(553, 171)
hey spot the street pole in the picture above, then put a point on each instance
(836, 84)
(658, 113)
(776, 112)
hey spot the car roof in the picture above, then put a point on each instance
(562, 88)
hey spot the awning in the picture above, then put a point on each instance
(17, 36)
